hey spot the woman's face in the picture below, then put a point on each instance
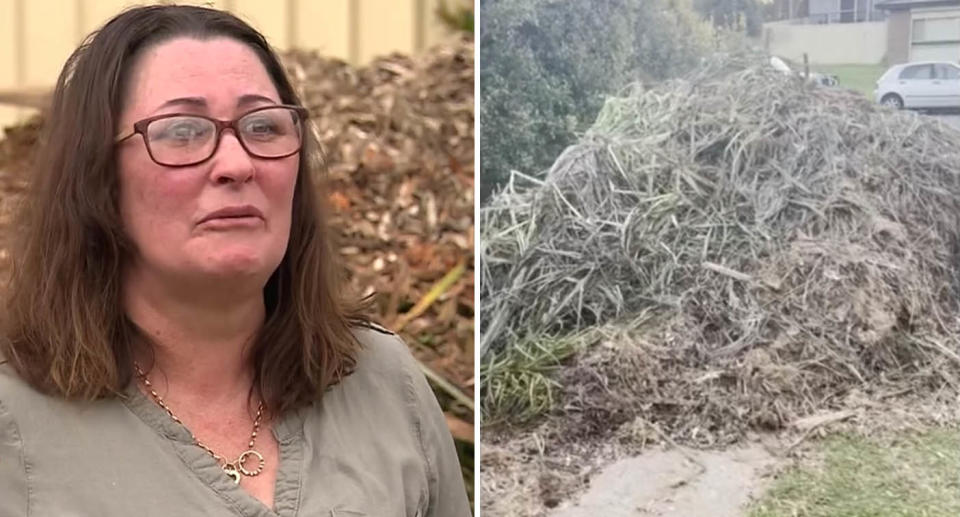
(166, 211)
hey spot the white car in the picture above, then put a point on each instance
(921, 85)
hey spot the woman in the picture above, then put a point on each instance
(176, 341)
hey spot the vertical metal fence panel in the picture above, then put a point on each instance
(270, 18)
(10, 73)
(385, 26)
(50, 35)
(323, 26)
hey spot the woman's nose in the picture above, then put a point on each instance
(231, 162)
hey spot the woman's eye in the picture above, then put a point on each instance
(183, 131)
(261, 128)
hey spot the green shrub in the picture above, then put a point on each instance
(546, 66)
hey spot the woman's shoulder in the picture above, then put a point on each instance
(385, 370)
(382, 351)
(383, 385)
(15, 393)
(50, 414)
(386, 359)
(31, 408)
(23, 408)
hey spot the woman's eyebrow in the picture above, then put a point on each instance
(252, 98)
(200, 102)
(193, 102)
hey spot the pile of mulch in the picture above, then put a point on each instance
(16, 148)
(736, 252)
(398, 142)
(397, 136)
(786, 245)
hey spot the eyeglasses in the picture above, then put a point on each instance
(180, 140)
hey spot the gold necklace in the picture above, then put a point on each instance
(231, 469)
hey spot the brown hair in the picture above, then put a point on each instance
(65, 330)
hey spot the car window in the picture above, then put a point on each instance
(949, 72)
(917, 72)
(892, 73)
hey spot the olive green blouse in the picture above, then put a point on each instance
(378, 445)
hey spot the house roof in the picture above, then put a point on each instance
(899, 5)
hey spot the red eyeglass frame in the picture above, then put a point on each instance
(140, 128)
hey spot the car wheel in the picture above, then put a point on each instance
(893, 100)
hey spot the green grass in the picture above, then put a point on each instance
(909, 475)
(517, 384)
(862, 78)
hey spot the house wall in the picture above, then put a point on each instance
(824, 7)
(940, 44)
(828, 44)
(37, 36)
(842, 11)
(898, 37)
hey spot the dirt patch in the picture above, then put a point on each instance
(671, 483)
(523, 475)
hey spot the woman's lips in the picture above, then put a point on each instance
(233, 212)
(230, 216)
(232, 222)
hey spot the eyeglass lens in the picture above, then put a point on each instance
(183, 139)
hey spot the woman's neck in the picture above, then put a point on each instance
(201, 345)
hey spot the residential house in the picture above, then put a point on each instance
(826, 32)
(843, 11)
(823, 11)
(922, 30)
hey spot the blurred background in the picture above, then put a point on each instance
(389, 87)
(37, 36)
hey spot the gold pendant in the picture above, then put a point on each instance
(242, 460)
(232, 473)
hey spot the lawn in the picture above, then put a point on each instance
(862, 78)
(907, 475)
